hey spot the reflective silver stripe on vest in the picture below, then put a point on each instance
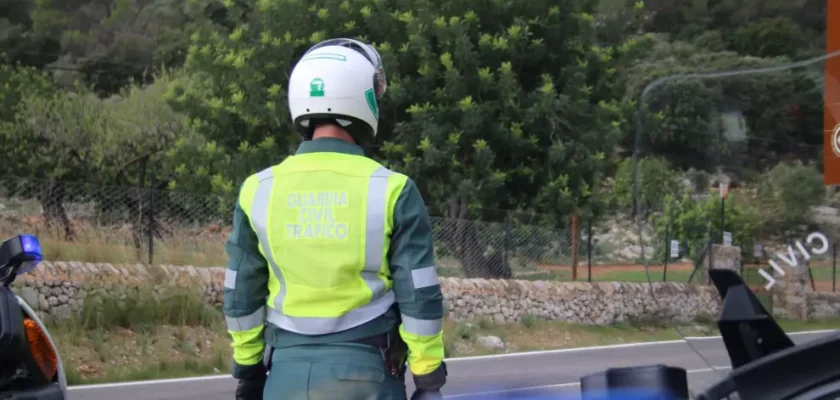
(246, 323)
(375, 220)
(259, 218)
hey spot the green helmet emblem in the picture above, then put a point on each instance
(371, 101)
(316, 88)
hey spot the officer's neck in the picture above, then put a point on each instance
(332, 131)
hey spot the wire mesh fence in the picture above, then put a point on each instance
(90, 223)
(84, 222)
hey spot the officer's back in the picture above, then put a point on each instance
(332, 252)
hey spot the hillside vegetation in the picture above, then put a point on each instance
(526, 107)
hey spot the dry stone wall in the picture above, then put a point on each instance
(58, 289)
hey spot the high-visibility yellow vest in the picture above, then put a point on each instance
(324, 221)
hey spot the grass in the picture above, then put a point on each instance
(202, 247)
(151, 333)
(533, 334)
(656, 275)
(147, 333)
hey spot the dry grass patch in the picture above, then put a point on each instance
(532, 334)
(124, 355)
(201, 247)
(145, 333)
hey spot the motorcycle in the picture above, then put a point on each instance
(766, 364)
(31, 368)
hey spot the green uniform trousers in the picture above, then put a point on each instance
(345, 371)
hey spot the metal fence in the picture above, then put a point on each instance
(83, 222)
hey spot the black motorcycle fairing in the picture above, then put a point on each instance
(50, 392)
(12, 334)
(767, 364)
(784, 375)
(18, 366)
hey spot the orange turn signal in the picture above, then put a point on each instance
(41, 349)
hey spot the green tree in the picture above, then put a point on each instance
(771, 37)
(16, 82)
(686, 120)
(76, 136)
(656, 179)
(786, 194)
(490, 104)
(20, 44)
(741, 24)
(110, 43)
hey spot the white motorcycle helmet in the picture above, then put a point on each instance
(338, 81)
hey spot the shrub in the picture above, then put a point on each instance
(786, 195)
(655, 178)
(140, 308)
(689, 220)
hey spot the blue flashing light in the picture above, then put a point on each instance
(31, 247)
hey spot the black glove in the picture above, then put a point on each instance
(428, 386)
(252, 383)
(250, 389)
(427, 395)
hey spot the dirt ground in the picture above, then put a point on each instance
(607, 269)
(820, 285)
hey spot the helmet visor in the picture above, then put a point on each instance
(365, 50)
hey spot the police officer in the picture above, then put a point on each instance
(331, 257)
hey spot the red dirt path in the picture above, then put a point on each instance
(607, 268)
(819, 285)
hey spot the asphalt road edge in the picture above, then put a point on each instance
(448, 360)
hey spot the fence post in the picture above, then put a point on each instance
(506, 251)
(667, 253)
(574, 246)
(834, 269)
(711, 255)
(152, 184)
(722, 217)
(589, 249)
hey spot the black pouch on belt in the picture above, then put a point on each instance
(394, 351)
(396, 355)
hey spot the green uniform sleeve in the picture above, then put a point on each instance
(245, 292)
(416, 285)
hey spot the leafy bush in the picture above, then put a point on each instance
(501, 105)
(140, 308)
(786, 195)
(655, 178)
(689, 219)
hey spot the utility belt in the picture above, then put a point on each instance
(391, 345)
(393, 349)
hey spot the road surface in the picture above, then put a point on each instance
(546, 372)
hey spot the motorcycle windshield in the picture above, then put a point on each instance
(733, 161)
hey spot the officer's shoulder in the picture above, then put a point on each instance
(258, 177)
(395, 174)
